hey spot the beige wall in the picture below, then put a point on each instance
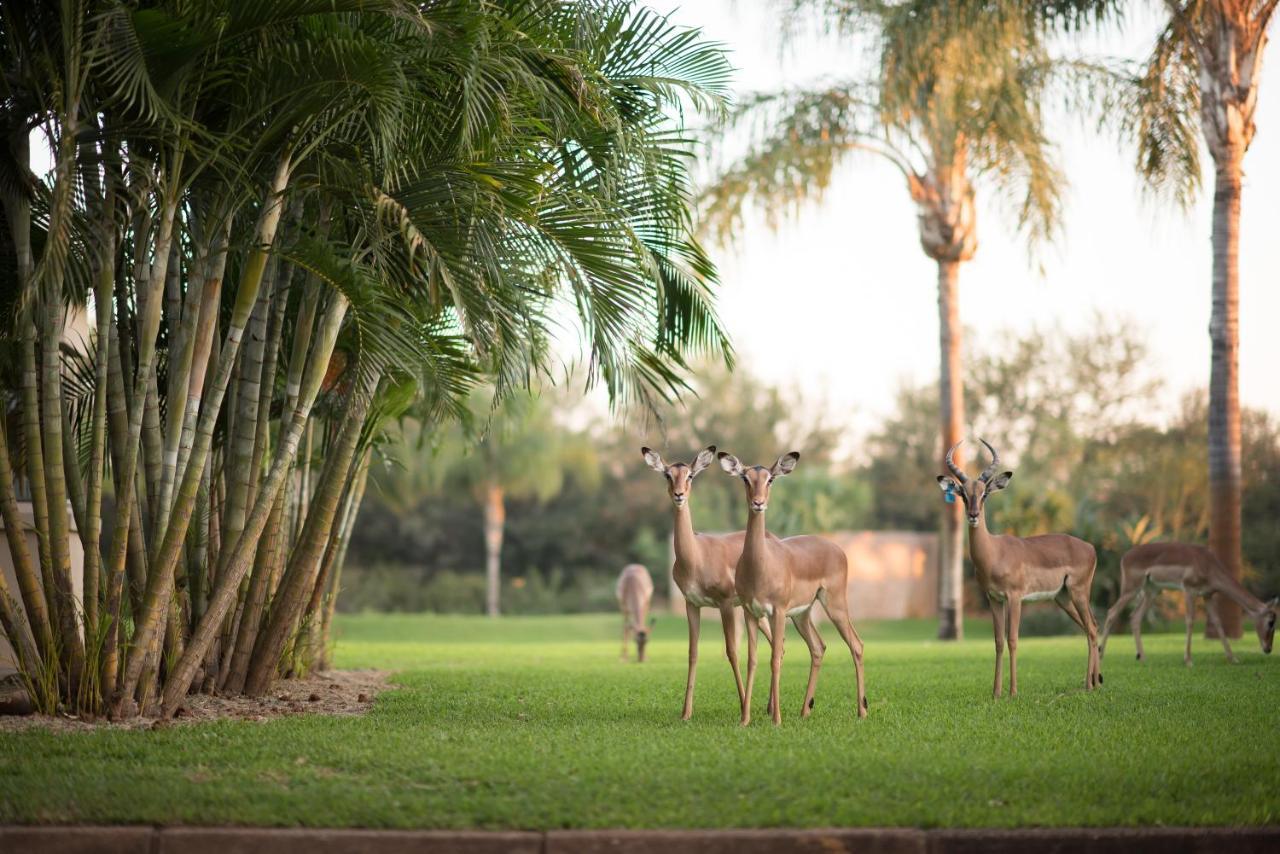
(8, 663)
(892, 574)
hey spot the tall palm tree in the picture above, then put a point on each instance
(1205, 69)
(954, 103)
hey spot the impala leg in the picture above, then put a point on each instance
(1190, 599)
(729, 620)
(1215, 620)
(1117, 609)
(997, 621)
(753, 626)
(626, 635)
(764, 629)
(836, 604)
(1015, 620)
(808, 631)
(1093, 675)
(694, 615)
(1135, 619)
(775, 664)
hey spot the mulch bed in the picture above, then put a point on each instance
(334, 692)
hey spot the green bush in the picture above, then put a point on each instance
(391, 588)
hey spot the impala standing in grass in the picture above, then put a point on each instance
(635, 592)
(1012, 570)
(1196, 571)
(777, 579)
(704, 568)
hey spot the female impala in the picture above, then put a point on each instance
(704, 567)
(634, 591)
(783, 578)
(1147, 569)
(1013, 570)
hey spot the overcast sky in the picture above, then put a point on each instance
(860, 296)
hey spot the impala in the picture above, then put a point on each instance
(1196, 571)
(704, 566)
(634, 592)
(783, 578)
(1012, 570)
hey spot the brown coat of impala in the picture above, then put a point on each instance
(784, 578)
(635, 591)
(1195, 570)
(704, 567)
(1012, 570)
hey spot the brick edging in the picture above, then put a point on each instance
(235, 840)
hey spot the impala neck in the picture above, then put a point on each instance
(1235, 591)
(981, 545)
(686, 543)
(753, 544)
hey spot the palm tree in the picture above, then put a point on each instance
(1205, 69)
(516, 449)
(954, 104)
(398, 197)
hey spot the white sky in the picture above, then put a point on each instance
(860, 296)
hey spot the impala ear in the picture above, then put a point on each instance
(786, 464)
(705, 458)
(999, 482)
(730, 464)
(654, 460)
(950, 488)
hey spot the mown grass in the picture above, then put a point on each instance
(534, 723)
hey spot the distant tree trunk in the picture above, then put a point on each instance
(1229, 41)
(951, 408)
(495, 517)
(1224, 384)
(947, 222)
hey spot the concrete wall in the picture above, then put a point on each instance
(8, 662)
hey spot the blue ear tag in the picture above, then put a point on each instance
(949, 496)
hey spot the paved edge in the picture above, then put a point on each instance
(34, 839)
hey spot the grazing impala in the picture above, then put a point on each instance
(1013, 570)
(704, 567)
(1196, 571)
(784, 578)
(634, 591)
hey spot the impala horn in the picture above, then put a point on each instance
(991, 468)
(961, 476)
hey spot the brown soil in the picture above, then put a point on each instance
(334, 692)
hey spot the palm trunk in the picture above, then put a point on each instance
(91, 532)
(179, 681)
(1224, 391)
(149, 327)
(267, 564)
(495, 517)
(304, 564)
(335, 588)
(33, 597)
(951, 397)
(162, 576)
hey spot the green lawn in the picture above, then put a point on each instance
(534, 723)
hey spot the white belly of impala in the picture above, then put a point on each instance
(1041, 595)
(700, 600)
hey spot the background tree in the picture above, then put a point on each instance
(954, 102)
(1205, 70)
